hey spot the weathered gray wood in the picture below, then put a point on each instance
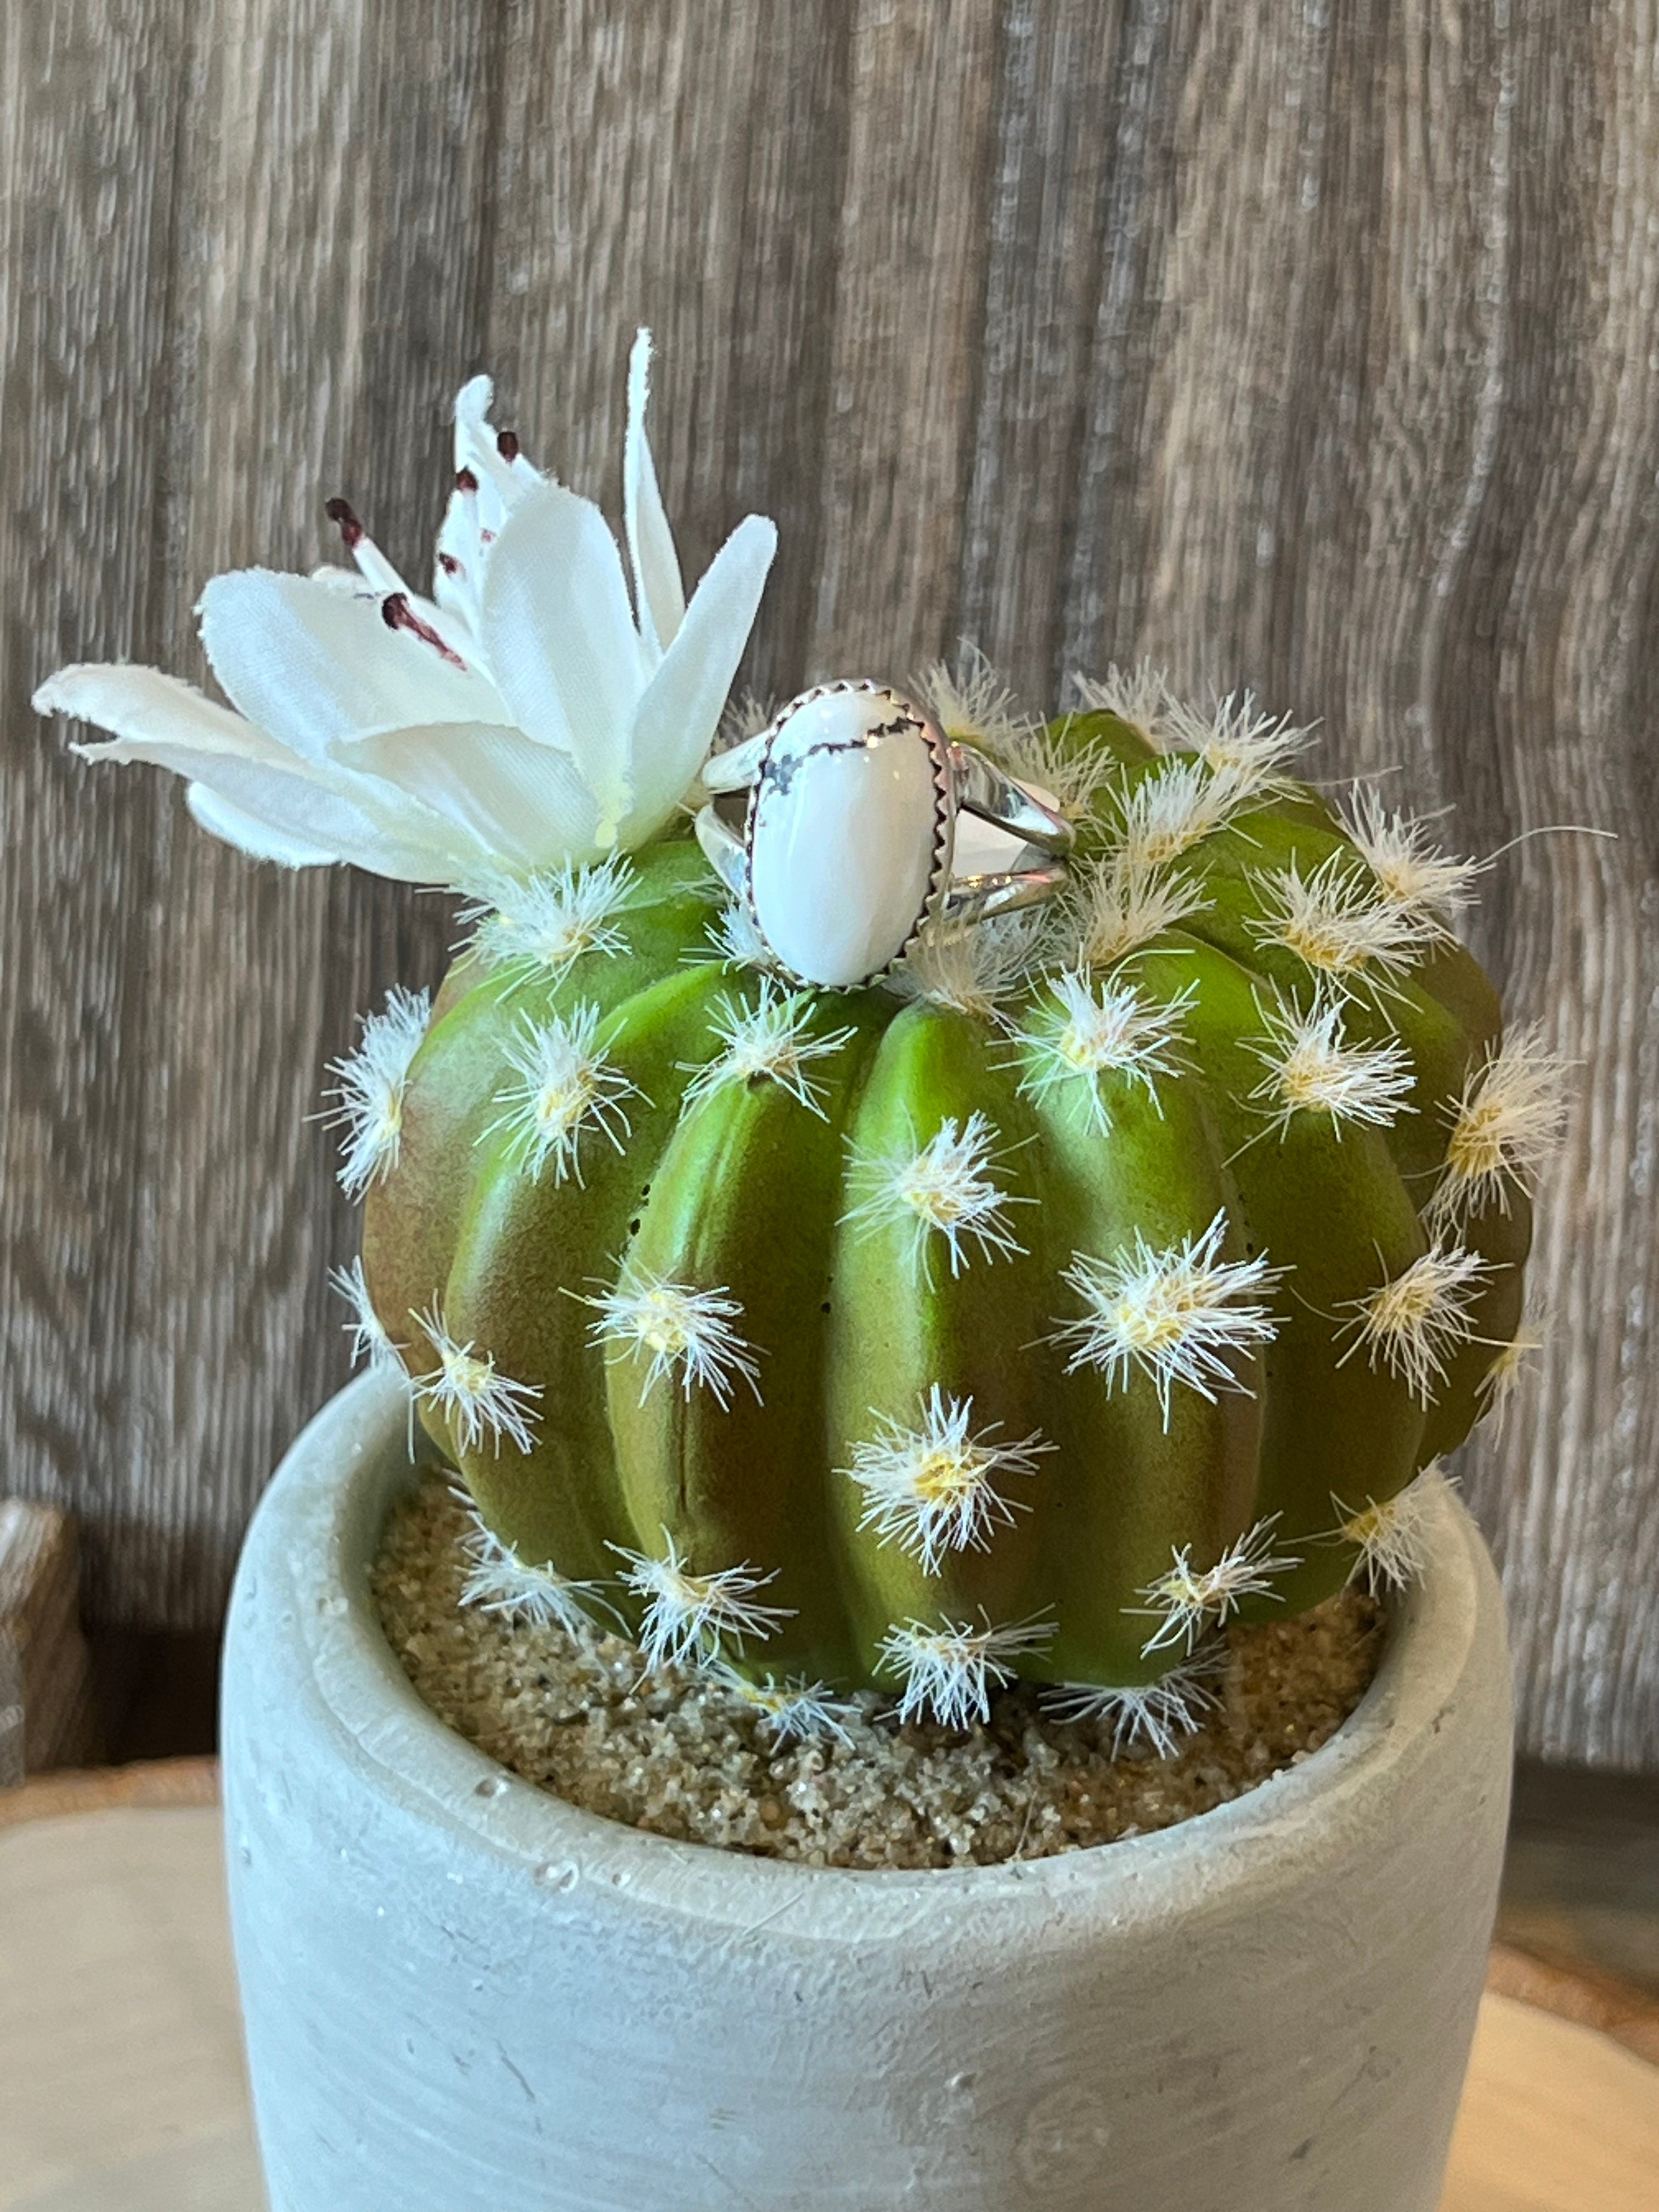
(85, 215)
(686, 170)
(1307, 348)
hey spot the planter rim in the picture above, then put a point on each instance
(305, 1567)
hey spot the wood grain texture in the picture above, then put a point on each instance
(146, 1784)
(1590, 1999)
(1554, 2115)
(1308, 348)
(47, 1716)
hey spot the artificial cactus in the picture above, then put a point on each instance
(1080, 1283)
(1087, 1281)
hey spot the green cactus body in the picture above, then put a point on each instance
(850, 1310)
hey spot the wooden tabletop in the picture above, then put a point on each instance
(121, 2085)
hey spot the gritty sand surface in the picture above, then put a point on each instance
(689, 1758)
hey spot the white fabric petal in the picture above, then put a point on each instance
(356, 819)
(312, 664)
(250, 835)
(472, 405)
(457, 591)
(558, 633)
(659, 591)
(140, 703)
(501, 483)
(247, 787)
(524, 802)
(681, 711)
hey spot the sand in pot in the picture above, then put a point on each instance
(689, 1759)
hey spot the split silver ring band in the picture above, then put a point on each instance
(840, 828)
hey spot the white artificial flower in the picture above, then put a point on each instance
(525, 716)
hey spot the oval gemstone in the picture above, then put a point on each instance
(845, 842)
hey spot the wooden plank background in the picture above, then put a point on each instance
(1309, 344)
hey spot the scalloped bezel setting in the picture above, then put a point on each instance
(850, 832)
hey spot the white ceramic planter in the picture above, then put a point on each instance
(462, 1996)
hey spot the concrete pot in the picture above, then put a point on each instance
(462, 1996)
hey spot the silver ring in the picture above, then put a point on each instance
(837, 827)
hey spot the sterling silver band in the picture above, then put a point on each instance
(982, 898)
(964, 899)
(982, 788)
(724, 848)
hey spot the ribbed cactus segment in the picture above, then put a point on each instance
(933, 1332)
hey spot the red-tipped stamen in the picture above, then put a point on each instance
(398, 614)
(450, 565)
(343, 515)
(465, 481)
(507, 445)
